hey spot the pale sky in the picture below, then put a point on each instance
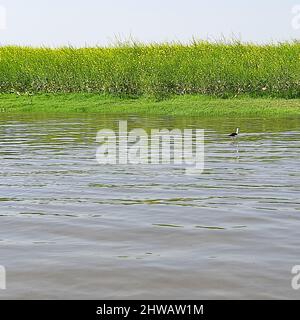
(91, 22)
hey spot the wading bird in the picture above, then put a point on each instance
(234, 134)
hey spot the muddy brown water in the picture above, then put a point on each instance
(72, 228)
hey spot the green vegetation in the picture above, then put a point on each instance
(158, 70)
(176, 79)
(176, 105)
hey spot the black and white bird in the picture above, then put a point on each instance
(235, 134)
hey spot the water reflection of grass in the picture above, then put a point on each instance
(210, 227)
(167, 225)
(193, 105)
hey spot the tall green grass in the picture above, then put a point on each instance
(220, 69)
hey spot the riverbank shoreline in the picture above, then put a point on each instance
(186, 105)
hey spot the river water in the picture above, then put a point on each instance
(72, 228)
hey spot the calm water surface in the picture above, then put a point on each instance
(71, 228)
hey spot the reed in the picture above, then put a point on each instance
(132, 70)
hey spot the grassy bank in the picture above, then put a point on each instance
(161, 70)
(177, 105)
